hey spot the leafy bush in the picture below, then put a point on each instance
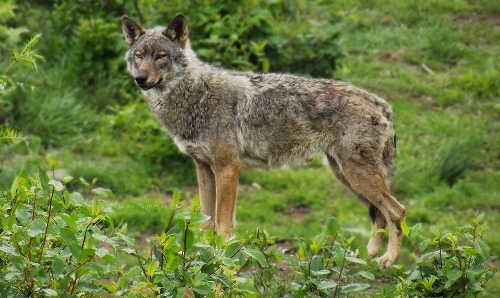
(263, 36)
(455, 264)
(57, 243)
(52, 242)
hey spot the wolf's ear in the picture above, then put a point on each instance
(177, 30)
(131, 30)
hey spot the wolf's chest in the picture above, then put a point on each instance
(194, 149)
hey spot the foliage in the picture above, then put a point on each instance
(55, 243)
(9, 136)
(27, 57)
(59, 243)
(453, 264)
(279, 36)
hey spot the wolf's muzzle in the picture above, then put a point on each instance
(142, 82)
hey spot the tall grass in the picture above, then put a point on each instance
(55, 117)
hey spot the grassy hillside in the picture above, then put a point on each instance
(436, 62)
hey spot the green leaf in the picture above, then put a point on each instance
(405, 228)
(44, 180)
(50, 293)
(96, 207)
(453, 276)
(363, 252)
(332, 226)
(176, 198)
(67, 179)
(69, 238)
(133, 272)
(69, 221)
(9, 250)
(351, 288)
(23, 215)
(482, 248)
(256, 255)
(316, 263)
(56, 184)
(76, 199)
(265, 65)
(199, 218)
(355, 260)
(85, 183)
(325, 285)
(101, 252)
(427, 256)
(128, 240)
(189, 235)
(58, 266)
(37, 227)
(422, 246)
(366, 274)
(151, 268)
(103, 192)
(338, 255)
(86, 254)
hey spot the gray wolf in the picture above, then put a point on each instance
(226, 120)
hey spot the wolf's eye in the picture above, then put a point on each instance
(138, 56)
(161, 55)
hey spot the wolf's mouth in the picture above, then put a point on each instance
(146, 87)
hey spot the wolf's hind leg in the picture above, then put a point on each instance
(378, 220)
(377, 233)
(206, 188)
(371, 183)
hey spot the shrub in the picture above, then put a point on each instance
(57, 243)
(453, 264)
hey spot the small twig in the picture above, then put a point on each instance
(170, 219)
(243, 266)
(426, 69)
(74, 269)
(47, 226)
(440, 254)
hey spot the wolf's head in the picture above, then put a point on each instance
(156, 56)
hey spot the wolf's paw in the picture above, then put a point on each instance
(373, 247)
(353, 254)
(225, 235)
(208, 225)
(387, 260)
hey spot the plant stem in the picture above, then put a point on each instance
(170, 219)
(340, 274)
(85, 233)
(47, 226)
(69, 273)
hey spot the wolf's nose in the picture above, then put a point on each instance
(141, 79)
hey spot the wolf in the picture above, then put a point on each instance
(227, 120)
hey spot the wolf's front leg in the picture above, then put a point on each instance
(206, 188)
(226, 181)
